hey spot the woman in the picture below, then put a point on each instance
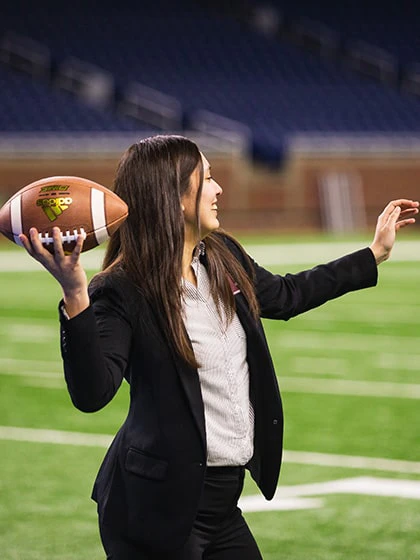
(176, 312)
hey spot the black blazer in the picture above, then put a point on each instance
(149, 484)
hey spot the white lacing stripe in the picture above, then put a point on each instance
(97, 204)
(16, 218)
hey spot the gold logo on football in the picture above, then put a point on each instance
(54, 207)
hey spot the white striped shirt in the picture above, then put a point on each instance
(220, 349)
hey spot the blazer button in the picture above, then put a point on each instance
(275, 422)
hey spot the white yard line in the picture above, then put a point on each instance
(365, 485)
(12, 433)
(275, 254)
(343, 367)
(50, 375)
(380, 314)
(310, 385)
(348, 387)
(20, 261)
(285, 503)
(44, 383)
(35, 435)
(303, 253)
(31, 373)
(34, 373)
(29, 365)
(344, 387)
(29, 331)
(294, 497)
(351, 462)
(410, 362)
(355, 342)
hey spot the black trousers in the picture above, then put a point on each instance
(219, 533)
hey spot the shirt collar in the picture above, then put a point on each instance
(199, 252)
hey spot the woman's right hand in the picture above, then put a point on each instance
(66, 269)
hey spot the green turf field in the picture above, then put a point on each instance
(350, 379)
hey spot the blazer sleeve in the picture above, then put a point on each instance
(283, 297)
(95, 347)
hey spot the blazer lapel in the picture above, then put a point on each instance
(191, 385)
(242, 310)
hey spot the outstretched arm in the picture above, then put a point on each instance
(283, 297)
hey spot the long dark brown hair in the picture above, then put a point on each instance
(152, 176)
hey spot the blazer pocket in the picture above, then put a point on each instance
(141, 464)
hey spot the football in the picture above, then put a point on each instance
(74, 204)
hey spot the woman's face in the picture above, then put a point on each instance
(208, 202)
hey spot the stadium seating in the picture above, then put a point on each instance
(393, 26)
(28, 105)
(219, 65)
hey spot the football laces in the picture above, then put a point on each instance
(66, 237)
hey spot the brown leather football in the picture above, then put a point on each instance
(74, 204)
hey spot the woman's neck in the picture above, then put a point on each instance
(187, 256)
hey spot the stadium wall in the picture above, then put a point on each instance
(256, 198)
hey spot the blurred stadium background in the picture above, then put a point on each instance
(310, 115)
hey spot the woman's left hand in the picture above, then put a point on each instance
(396, 215)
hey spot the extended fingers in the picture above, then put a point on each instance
(58, 243)
(75, 254)
(399, 209)
(403, 212)
(27, 244)
(409, 212)
(403, 203)
(402, 223)
(37, 247)
(34, 246)
(407, 216)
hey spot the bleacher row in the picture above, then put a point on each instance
(391, 26)
(176, 66)
(30, 105)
